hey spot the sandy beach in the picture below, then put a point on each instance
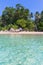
(23, 32)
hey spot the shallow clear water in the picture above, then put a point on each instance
(21, 49)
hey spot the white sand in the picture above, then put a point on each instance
(23, 32)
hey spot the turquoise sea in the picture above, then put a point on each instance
(21, 49)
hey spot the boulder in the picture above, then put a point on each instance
(12, 30)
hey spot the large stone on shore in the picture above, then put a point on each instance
(20, 29)
(12, 30)
(17, 30)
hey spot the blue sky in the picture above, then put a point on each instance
(32, 5)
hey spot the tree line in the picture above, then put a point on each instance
(21, 17)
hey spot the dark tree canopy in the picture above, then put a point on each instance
(21, 17)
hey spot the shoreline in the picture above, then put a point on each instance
(22, 32)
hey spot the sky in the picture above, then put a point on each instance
(32, 5)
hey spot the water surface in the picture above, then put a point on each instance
(21, 49)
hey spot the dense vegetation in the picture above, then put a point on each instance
(20, 17)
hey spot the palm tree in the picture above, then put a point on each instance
(37, 19)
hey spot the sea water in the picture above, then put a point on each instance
(21, 49)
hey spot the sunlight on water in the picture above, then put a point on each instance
(21, 49)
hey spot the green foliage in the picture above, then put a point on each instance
(0, 28)
(21, 17)
(39, 21)
(30, 25)
(26, 29)
(21, 23)
(11, 26)
(4, 28)
(14, 26)
(40, 26)
(10, 15)
(7, 15)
